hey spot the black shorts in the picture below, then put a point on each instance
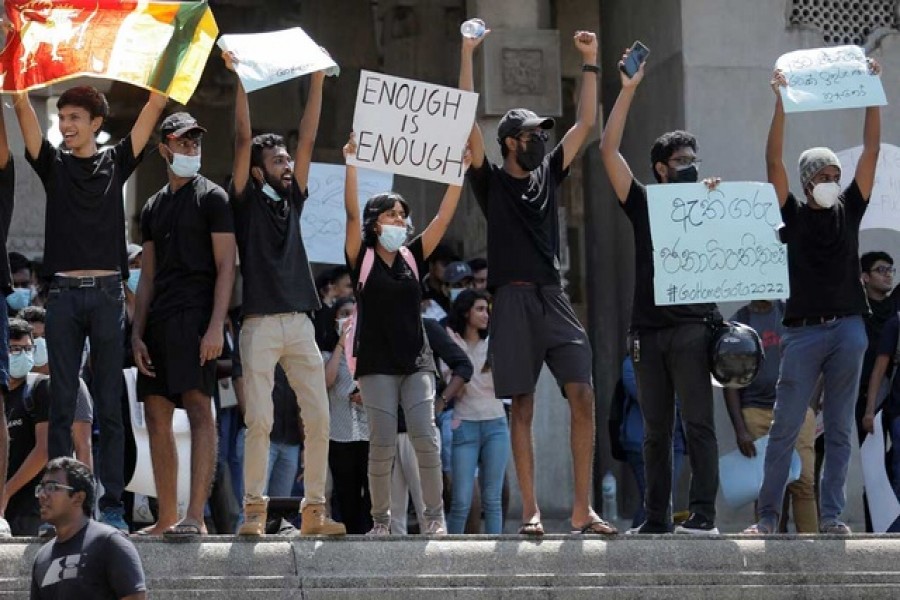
(531, 325)
(174, 347)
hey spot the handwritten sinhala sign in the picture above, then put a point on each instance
(324, 219)
(412, 127)
(258, 66)
(716, 245)
(884, 201)
(829, 78)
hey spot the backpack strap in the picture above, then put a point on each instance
(366, 267)
(410, 260)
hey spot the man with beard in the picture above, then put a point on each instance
(533, 320)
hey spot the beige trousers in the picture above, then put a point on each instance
(287, 339)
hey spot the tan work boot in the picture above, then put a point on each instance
(254, 517)
(314, 521)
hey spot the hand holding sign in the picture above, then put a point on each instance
(827, 79)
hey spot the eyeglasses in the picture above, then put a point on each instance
(530, 136)
(50, 487)
(884, 270)
(685, 161)
(17, 349)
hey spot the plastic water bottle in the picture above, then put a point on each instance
(610, 507)
(473, 28)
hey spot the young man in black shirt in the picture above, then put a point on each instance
(85, 261)
(268, 192)
(187, 273)
(27, 403)
(86, 559)
(825, 333)
(7, 193)
(668, 344)
(533, 320)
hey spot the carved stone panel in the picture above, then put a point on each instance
(521, 68)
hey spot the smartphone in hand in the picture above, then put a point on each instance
(637, 55)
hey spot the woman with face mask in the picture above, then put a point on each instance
(393, 361)
(480, 430)
(348, 446)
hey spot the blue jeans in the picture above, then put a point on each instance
(73, 315)
(835, 350)
(283, 462)
(443, 422)
(231, 448)
(485, 443)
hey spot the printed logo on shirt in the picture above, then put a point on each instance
(62, 568)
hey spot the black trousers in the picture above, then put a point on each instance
(349, 470)
(674, 362)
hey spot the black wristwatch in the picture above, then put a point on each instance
(590, 69)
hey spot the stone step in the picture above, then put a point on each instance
(505, 567)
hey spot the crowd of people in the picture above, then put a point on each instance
(406, 373)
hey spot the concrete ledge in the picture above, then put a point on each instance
(513, 567)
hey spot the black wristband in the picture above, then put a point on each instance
(590, 69)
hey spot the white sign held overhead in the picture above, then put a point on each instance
(828, 79)
(258, 66)
(884, 201)
(412, 128)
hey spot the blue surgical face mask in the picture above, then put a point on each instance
(185, 165)
(40, 352)
(454, 293)
(20, 364)
(134, 276)
(269, 191)
(392, 237)
(19, 299)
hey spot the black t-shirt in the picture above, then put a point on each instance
(882, 311)
(390, 336)
(85, 221)
(887, 345)
(645, 314)
(23, 412)
(7, 201)
(823, 257)
(97, 563)
(277, 277)
(180, 226)
(523, 220)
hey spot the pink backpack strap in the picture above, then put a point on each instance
(410, 260)
(366, 267)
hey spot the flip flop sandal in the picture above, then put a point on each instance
(757, 529)
(184, 529)
(596, 527)
(533, 528)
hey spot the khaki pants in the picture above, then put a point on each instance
(289, 340)
(802, 492)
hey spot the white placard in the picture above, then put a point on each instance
(828, 79)
(324, 220)
(265, 59)
(716, 245)
(412, 128)
(884, 202)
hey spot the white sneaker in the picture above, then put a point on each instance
(5, 531)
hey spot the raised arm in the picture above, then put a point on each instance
(146, 121)
(865, 168)
(467, 84)
(240, 167)
(435, 230)
(775, 170)
(353, 238)
(586, 43)
(29, 124)
(309, 126)
(617, 168)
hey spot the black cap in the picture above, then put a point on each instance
(178, 124)
(517, 120)
(456, 272)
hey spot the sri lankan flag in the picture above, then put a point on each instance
(157, 45)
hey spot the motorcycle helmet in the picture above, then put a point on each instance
(735, 355)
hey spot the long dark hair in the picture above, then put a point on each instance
(376, 205)
(459, 311)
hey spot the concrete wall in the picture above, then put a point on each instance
(708, 72)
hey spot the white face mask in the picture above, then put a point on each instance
(269, 191)
(392, 237)
(454, 293)
(185, 165)
(40, 352)
(826, 194)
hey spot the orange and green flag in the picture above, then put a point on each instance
(157, 45)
